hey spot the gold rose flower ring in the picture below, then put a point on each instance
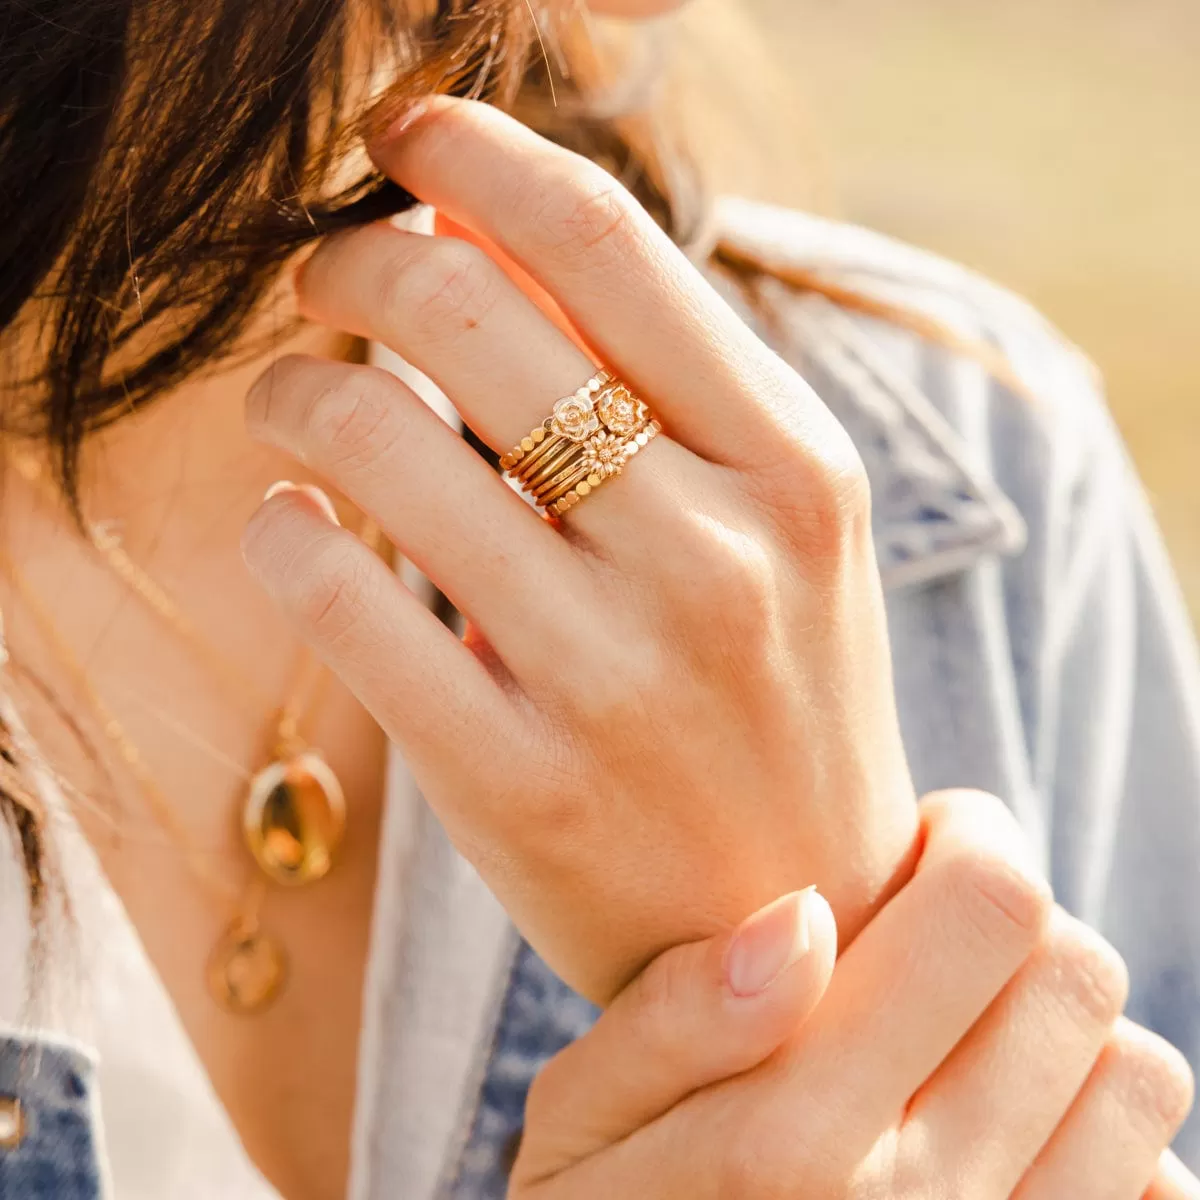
(589, 437)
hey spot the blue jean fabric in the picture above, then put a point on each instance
(58, 1157)
(539, 1017)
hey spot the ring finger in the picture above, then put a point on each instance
(452, 312)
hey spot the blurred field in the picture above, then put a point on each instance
(1054, 146)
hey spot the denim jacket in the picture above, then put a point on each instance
(1042, 652)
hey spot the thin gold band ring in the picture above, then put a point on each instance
(588, 438)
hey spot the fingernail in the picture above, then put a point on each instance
(278, 488)
(412, 113)
(314, 493)
(767, 944)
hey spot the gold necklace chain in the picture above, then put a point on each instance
(111, 727)
(304, 693)
(293, 816)
(247, 967)
(305, 690)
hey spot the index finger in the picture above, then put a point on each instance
(633, 295)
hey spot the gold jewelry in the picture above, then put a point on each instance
(294, 818)
(593, 481)
(588, 438)
(247, 968)
(293, 815)
(572, 420)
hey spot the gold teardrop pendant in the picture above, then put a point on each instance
(294, 817)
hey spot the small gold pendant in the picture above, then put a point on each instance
(246, 970)
(294, 817)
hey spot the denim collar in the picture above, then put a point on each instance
(53, 1146)
(916, 412)
(935, 508)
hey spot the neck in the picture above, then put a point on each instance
(176, 484)
(184, 470)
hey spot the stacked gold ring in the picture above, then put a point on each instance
(588, 438)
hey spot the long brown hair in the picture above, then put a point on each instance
(159, 164)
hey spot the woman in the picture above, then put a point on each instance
(671, 707)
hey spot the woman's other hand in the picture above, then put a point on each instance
(677, 707)
(968, 1045)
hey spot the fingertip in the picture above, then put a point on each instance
(794, 967)
(787, 946)
(811, 982)
(281, 522)
(823, 935)
(381, 138)
(318, 498)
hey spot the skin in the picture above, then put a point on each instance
(180, 481)
(726, 730)
(840, 796)
(181, 513)
(993, 1010)
(1009, 1071)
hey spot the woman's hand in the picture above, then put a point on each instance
(968, 1046)
(676, 706)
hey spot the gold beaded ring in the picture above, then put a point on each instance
(589, 437)
(569, 413)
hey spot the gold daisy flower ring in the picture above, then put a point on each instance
(587, 439)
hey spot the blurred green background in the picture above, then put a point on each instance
(1053, 145)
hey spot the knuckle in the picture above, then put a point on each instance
(1087, 968)
(725, 574)
(1154, 1078)
(940, 809)
(745, 608)
(847, 487)
(742, 575)
(825, 499)
(355, 422)
(444, 287)
(588, 216)
(663, 997)
(543, 1100)
(999, 894)
(627, 675)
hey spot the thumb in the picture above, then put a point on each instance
(698, 1014)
